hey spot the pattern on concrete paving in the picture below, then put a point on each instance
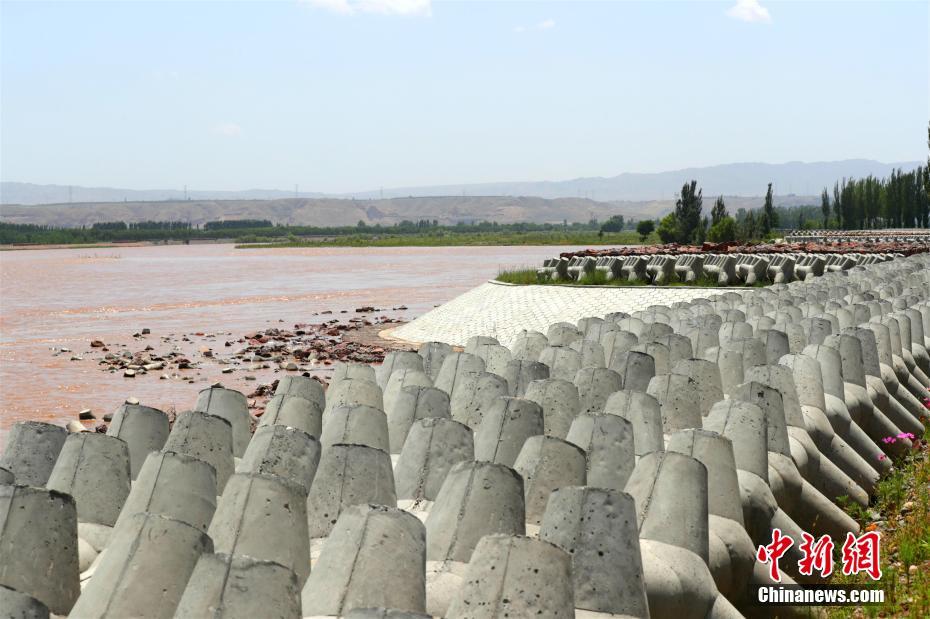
(503, 310)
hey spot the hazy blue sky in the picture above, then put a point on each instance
(342, 95)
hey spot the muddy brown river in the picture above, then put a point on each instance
(64, 298)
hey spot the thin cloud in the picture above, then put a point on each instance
(230, 130)
(749, 10)
(414, 8)
(545, 24)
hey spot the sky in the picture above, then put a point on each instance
(352, 95)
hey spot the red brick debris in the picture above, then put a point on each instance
(847, 247)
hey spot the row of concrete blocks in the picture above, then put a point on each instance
(726, 269)
(793, 442)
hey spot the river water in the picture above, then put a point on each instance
(64, 298)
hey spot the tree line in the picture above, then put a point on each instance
(254, 230)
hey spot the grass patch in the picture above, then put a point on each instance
(902, 504)
(527, 275)
(454, 239)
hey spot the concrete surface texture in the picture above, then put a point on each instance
(591, 452)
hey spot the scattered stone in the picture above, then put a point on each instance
(96, 344)
(129, 373)
(86, 414)
(75, 426)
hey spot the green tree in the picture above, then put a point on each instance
(645, 228)
(614, 224)
(825, 207)
(718, 212)
(723, 230)
(688, 212)
(669, 230)
(749, 228)
(769, 218)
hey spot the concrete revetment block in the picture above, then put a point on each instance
(375, 556)
(144, 429)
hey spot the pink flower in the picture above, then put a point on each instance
(882, 457)
(889, 440)
(906, 435)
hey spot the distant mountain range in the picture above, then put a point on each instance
(734, 179)
(348, 212)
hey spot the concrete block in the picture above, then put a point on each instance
(263, 517)
(414, 403)
(375, 556)
(304, 386)
(205, 437)
(384, 613)
(18, 605)
(434, 445)
(474, 394)
(144, 430)
(286, 452)
(616, 343)
(731, 551)
(563, 334)
(660, 355)
(477, 340)
(563, 362)
(94, 469)
(476, 499)
(609, 447)
(679, 401)
(598, 528)
(348, 475)
(594, 387)
(679, 347)
(644, 412)
(455, 365)
(519, 374)
(145, 569)
(177, 486)
(516, 576)
(670, 490)
(399, 380)
(528, 345)
(706, 381)
(547, 463)
(295, 412)
(358, 425)
(234, 408)
(505, 427)
(32, 448)
(223, 585)
(39, 546)
(636, 369)
(433, 353)
(343, 370)
(559, 402)
(397, 360)
(592, 353)
(353, 392)
(496, 357)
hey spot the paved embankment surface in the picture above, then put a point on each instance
(503, 310)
